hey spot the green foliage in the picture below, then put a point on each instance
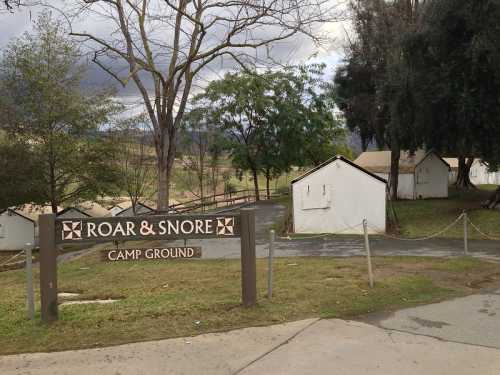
(456, 67)
(43, 106)
(20, 174)
(273, 120)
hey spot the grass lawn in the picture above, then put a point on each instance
(167, 299)
(423, 217)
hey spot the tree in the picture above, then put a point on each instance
(273, 120)
(136, 163)
(170, 42)
(373, 88)
(20, 174)
(355, 95)
(456, 64)
(43, 106)
(196, 140)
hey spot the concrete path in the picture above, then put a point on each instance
(465, 329)
(474, 320)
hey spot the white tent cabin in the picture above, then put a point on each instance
(16, 230)
(33, 212)
(478, 174)
(421, 174)
(336, 196)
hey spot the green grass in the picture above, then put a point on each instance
(423, 217)
(165, 299)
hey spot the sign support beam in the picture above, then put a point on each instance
(48, 268)
(248, 261)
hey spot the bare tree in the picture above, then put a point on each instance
(136, 163)
(170, 42)
(196, 139)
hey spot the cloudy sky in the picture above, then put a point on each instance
(297, 50)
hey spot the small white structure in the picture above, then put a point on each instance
(336, 196)
(140, 209)
(16, 230)
(478, 174)
(421, 174)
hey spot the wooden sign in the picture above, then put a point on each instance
(165, 253)
(146, 228)
(54, 231)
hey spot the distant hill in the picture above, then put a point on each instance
(354, 143)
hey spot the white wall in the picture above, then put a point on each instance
(15, 232)
(431, 178)
(406, 188)
(337, 198)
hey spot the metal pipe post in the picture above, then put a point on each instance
(368, 254)
(272, 235)
(29, 283)
(466, 232)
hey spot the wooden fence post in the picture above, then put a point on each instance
(248, 261)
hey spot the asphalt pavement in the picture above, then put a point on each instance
(267, 213)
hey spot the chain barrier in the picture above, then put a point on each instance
(324, 235)
(428, 237)
(380, 232)
(11, 258)
(481, 232)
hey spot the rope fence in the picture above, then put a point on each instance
(380, 232)
(8, 261)
(463, 217)
(476, 228)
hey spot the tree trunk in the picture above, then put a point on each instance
(394, 174)
(494, 199)
(256, 184)
(163, 181)
(165, 152)
(463, 178)
(52, 176)
(268, 190)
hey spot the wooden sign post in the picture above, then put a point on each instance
(55, 232)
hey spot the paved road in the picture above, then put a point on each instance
(343, 245)
(458, 337)
(267, 213)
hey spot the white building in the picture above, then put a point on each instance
(421, 174)
(478, 174)
(16, 231)
(336, 196)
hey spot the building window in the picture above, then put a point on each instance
(316, 196)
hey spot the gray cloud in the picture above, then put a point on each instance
(297, 50)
